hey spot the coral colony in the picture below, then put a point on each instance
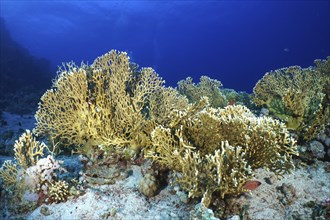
(207, 138)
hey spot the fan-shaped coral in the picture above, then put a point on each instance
(105, 105)
(299, 97)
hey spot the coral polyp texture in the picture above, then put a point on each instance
(298, 96)
(105, 105)
(216, 150)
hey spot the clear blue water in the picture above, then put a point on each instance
(236, 42)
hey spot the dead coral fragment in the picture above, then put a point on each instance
(28, 150)
(40, 177)
(148, 185)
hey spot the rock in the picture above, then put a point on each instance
(173, 215)
(201, 212)
(317, 149)
(322, 137)
(327, 167)
(288, 193)
(182, 196)
(104, 175)
(235, 217)
(45, 211)
(302, 148)
(271, 179)
(72, 165)
(109, 213)
(100, 180)
(327, 142)
(264, 112)
(148, 185)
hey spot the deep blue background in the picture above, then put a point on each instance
(236, 42)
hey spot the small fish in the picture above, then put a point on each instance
(251, 185)
(232, 102)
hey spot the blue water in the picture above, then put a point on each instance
(236, 42)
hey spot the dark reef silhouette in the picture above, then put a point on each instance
(23, 78)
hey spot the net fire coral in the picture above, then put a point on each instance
(298, 96)
(100, 106)
(216, 150)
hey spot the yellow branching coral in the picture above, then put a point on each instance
(8, 174)
(66, 107)
(206, 87)
(58, 192)
(105, 105)
(297, 96)
(323, 66)
(216, 150)
(267, 142)
(225, 171)
(31, 178)
(28, 150)
(163, 103)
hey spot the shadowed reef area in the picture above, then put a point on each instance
(23, 77)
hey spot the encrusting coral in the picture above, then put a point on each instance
(216, 150)
(104, 106)
(297, 96)
(40, 177)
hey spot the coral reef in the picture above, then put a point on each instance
(297, 96)
(206, 87)
(58, 192)
(239, 98)
(8, 174)
(104, 107)
(40, 177)
(30, 180)
(135, 136)
(216, 150)
(28, 150)
(27, 153)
